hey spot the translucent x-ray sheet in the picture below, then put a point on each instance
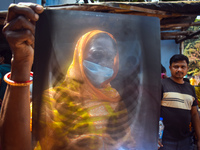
(96, 81)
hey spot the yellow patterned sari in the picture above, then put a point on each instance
(78, 116)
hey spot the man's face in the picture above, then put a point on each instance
(101, 51)
(179, 69)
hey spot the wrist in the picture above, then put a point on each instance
(20, 70)
(23, 55)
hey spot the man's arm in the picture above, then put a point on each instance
(19, 31)
(196, 124)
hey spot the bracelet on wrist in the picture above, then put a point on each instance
(15, 83)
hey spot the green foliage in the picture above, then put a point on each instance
(192, 51)
(121, 0)
(171, 0)
(197, 20)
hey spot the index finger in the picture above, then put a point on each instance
(29, 10)
(36, 7)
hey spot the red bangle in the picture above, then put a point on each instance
(15, 83)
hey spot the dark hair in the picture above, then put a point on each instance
(7, 54)
(163, 70)
(5, 48)
(178, 57)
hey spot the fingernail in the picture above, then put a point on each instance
(36, 16)
(39, 7)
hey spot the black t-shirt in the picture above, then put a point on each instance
(176, 104)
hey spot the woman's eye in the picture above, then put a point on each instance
(97, 55)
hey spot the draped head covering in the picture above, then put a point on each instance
(76, 70)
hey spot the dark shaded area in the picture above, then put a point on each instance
(3, 42)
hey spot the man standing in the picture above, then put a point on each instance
(178, 107)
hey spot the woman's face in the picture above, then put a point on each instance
(102, 51)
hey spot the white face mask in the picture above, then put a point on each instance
(97, 74)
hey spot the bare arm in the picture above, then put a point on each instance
(15, 113)
(196, 124)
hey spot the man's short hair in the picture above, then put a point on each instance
(178, 57)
